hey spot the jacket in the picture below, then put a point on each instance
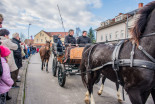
(5, 81)
(12, 46)
(17, 53)
(59, 45)
(69, 39)
(83, 40)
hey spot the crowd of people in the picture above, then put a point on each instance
(12, 52)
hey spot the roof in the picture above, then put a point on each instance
(121, 21)
(51, 34)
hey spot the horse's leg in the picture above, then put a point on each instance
(87, 98)
(92, 78)
(102, 85)
(42, 64)
(135, 96)
(145, 96)
(153, 94)
(47, 66)
(118, 93)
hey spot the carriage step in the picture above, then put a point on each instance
(74, 73)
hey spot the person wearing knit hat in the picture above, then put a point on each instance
(17, 54)
(1, 20)
(4, 51)
(6, 81)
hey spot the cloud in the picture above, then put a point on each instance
(44, 13)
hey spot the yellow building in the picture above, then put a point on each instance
(41, 37)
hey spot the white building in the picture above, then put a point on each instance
(118, 27)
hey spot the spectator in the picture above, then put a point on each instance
(17, 53)
(5, 81)
(4, 36)
(1, 20)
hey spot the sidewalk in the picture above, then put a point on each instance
(17, 93)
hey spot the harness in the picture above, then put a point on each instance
(117, 62)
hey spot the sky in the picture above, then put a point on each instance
(44, 14)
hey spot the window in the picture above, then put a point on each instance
(116, 35)
(37, 40)
(101, 37)
(110, 36)
(106, 37)
(41, 40)
(122, 33)
(40, 34)
(45, 38)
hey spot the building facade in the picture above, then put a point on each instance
(43, 36)
(118, 27)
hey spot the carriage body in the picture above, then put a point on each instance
(70, 67)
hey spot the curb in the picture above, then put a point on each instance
(21, 93)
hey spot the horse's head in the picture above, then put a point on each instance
(48, 43)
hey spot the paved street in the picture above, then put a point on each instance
(43, 88)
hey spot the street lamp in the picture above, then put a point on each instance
(28, 30)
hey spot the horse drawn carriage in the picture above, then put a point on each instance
(61, 68)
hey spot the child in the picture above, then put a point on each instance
(5, 81)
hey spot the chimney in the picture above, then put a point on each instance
(140, 5)
(120, 13)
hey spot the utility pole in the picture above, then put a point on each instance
(61, 19)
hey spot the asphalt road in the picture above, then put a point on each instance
(43, 88)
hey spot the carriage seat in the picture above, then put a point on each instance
(76, 53)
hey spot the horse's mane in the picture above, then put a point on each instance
(141, 22)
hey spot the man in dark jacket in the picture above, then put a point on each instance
(59, 44)
(70, 42)
(17, 53)
(69, 39)
(83, 40)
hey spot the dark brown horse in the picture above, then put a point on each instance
(45, 55)
(138, 82)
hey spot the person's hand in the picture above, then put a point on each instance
(77, 45)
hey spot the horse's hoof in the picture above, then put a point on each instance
(99, 92)
(120, 100)
(87, 100)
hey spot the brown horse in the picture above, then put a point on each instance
(138, 82)
(45, 55)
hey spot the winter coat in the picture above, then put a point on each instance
(12, 46)
(5, 81)
(59, 45)
(17, 53)
(83, 40)
(69, 39)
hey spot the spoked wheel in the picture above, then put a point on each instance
(61, 75)
(54, 67)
